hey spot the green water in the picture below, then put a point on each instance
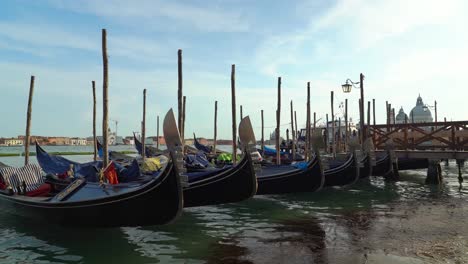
(296, 228)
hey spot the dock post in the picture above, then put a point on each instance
(28, 122)
(215, 127)
(105, 101)
(346, 126)
(157, 133)
(233, 105)
(143, 128)
(308, 132)
(293, 134)
(263, 135)
(333, 126)
(434, 174)
(179, 90)
(93, 83)
(278, 116)
(241, 114)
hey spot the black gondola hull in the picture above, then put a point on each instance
(309, 180)
(234, 185)
(347, 173)
(412, 164)
(158, 202)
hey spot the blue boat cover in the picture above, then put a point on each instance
(270, 151)
(196, 161)
(57, 165)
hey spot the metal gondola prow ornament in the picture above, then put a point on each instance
(174, 145)
(246, 135)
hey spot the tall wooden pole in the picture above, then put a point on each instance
(333, 126)
(373, 110)
(295, 124)
(215, 126)
(308, 143)
(435, 110)
(278, 116)
(393, 115)
(179, 90)
(293, 133)
(315, 121)
(339, 135)
(361, 84)
(183, 119)
(28, 122)
(368, 119)
(94, 121)
(327, 134)
(263, 135)
(241, 114)
(157, 133)
(346, 125)
(233, 104)
(105, 99)
(143, 127)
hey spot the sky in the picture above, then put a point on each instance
(404, 48)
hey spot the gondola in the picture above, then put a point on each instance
(150, 151)
(344, 174)
(216, 185)
(151, 201)
(278, 179)
(365, 170)
(383, 166)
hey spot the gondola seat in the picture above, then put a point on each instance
(31, 176)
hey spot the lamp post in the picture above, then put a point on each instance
(347, 89)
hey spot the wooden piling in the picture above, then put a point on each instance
(241, 114)
(157, 133)
(28, 122)
(339, 135)
(263, 135)
(183, 120)
(233, 105)
(373, 110)
(278, 117)
(333, 126)
(105, 99)
(179, 90)
(346, 125)
(215, 126)
(308, 136)
(368, 119)
(293, 133)
(94, 121)
(295, 124)
(393, 116)
(327, 137)
(143, 128)
(315, 121)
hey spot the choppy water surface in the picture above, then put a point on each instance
(369, 222)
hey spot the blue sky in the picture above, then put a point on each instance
(403, 48)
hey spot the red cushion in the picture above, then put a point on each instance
(2, 185)
(43, 190)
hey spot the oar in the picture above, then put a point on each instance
(246, 134)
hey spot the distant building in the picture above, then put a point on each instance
(402, 117)
(11, 142)
(420, 113)
(78, 142)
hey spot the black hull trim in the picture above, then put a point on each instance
(158, 202)
(309, 180)
(412, 164)
(234, 185)
(347, 173)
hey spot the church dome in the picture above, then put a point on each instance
(401, 117)
(420, 112)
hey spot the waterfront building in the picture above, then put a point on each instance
(78, 141)
(420, 113)
(11, 142)
(402, 117)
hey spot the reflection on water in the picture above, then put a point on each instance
(354, 224)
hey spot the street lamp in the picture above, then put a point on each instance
(347, 89)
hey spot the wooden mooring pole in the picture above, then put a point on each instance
(28, 122)
(94, 121)
(105, 99)
(295, 124)
(278, 117)
(233, 105)
(308, 136)
(182, 137)
(315, 121)
(241, 114)
(333, 126)
(157, 133)
(179, 90)
(263, 135)
(215, 126)
(143, 128)
(346, 125)
(368, 119)
(293, 133)
(327, 137)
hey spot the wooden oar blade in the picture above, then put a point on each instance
(171, 132)
(246, 134)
